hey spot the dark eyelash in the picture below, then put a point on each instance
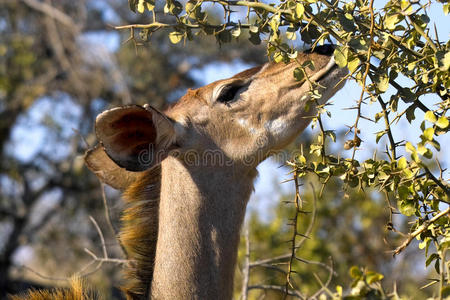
(228, 93)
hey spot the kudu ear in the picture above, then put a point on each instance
(107, 170)
(134, 138)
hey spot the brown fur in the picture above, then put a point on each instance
(78, 290)
(139, 232)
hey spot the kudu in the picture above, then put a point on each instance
(187, 174)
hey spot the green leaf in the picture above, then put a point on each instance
(442, 122)
(424, 151)
(410, 113)
(254, 37)
(424, 243)
(445, 292)
(331, 134)
(353, 64)
(430, 117)
(383, 83)
(407, 173)
(407, 208)
(278, 57)
(444, 60)
(390, 21)
(410, 148)
(299, 74)
(274, 23)
(373, 277)
(403, 192)
(132, 5)
(291, 33)
(150, 4)
(340, 56)
(355, 272)
(430, 259)
(175, 37)
(236, 32)
(379, 136)
(406, 7)
(299, 10)
(347, 24)
(429, 133)
(302, 159)
(444, 243)
(339, 290)
(446, 8)
(224, 36)
(253, 29)
(402, 163)
(140, 6)
(435, 144)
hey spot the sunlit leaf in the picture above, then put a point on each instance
(402, 163)
(409, 147)
(407, 208)
(373, 277)
(430, 117)
(391, 21)
(355, 272)
(340, 56)
(299, 10)
(442, 122)
(140, 6)
(429, 133)
(406, 7)
(353, 64)
(175, 37)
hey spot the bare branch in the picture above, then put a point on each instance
(246, 267)
(102, 239)
(53, 13)
(279, 288)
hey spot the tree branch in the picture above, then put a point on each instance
(419, 230)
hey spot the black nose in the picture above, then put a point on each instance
(326, 49)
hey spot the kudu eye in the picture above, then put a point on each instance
(228, 93)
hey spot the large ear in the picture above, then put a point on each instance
(108, 171)
(135, 137)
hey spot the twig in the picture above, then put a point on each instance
(294, 293)
(324, 286)
(45, 276)
(437, 181)
(109, 219)
(419, 230)
(298, 206)
(246, 268)
(102, 239)
(388, 128)
(53, 13)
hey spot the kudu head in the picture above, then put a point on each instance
(243, 118)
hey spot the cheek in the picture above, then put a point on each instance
(245, 125)
(277, 127)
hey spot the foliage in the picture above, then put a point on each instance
(395, 55)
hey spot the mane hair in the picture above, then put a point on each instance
(78, 290)
(139, 232)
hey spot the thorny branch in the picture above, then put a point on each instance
(246, 267)
(419, 230)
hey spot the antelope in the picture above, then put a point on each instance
(187, 174)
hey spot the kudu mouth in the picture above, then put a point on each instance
(326, 50)
(325, 72)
